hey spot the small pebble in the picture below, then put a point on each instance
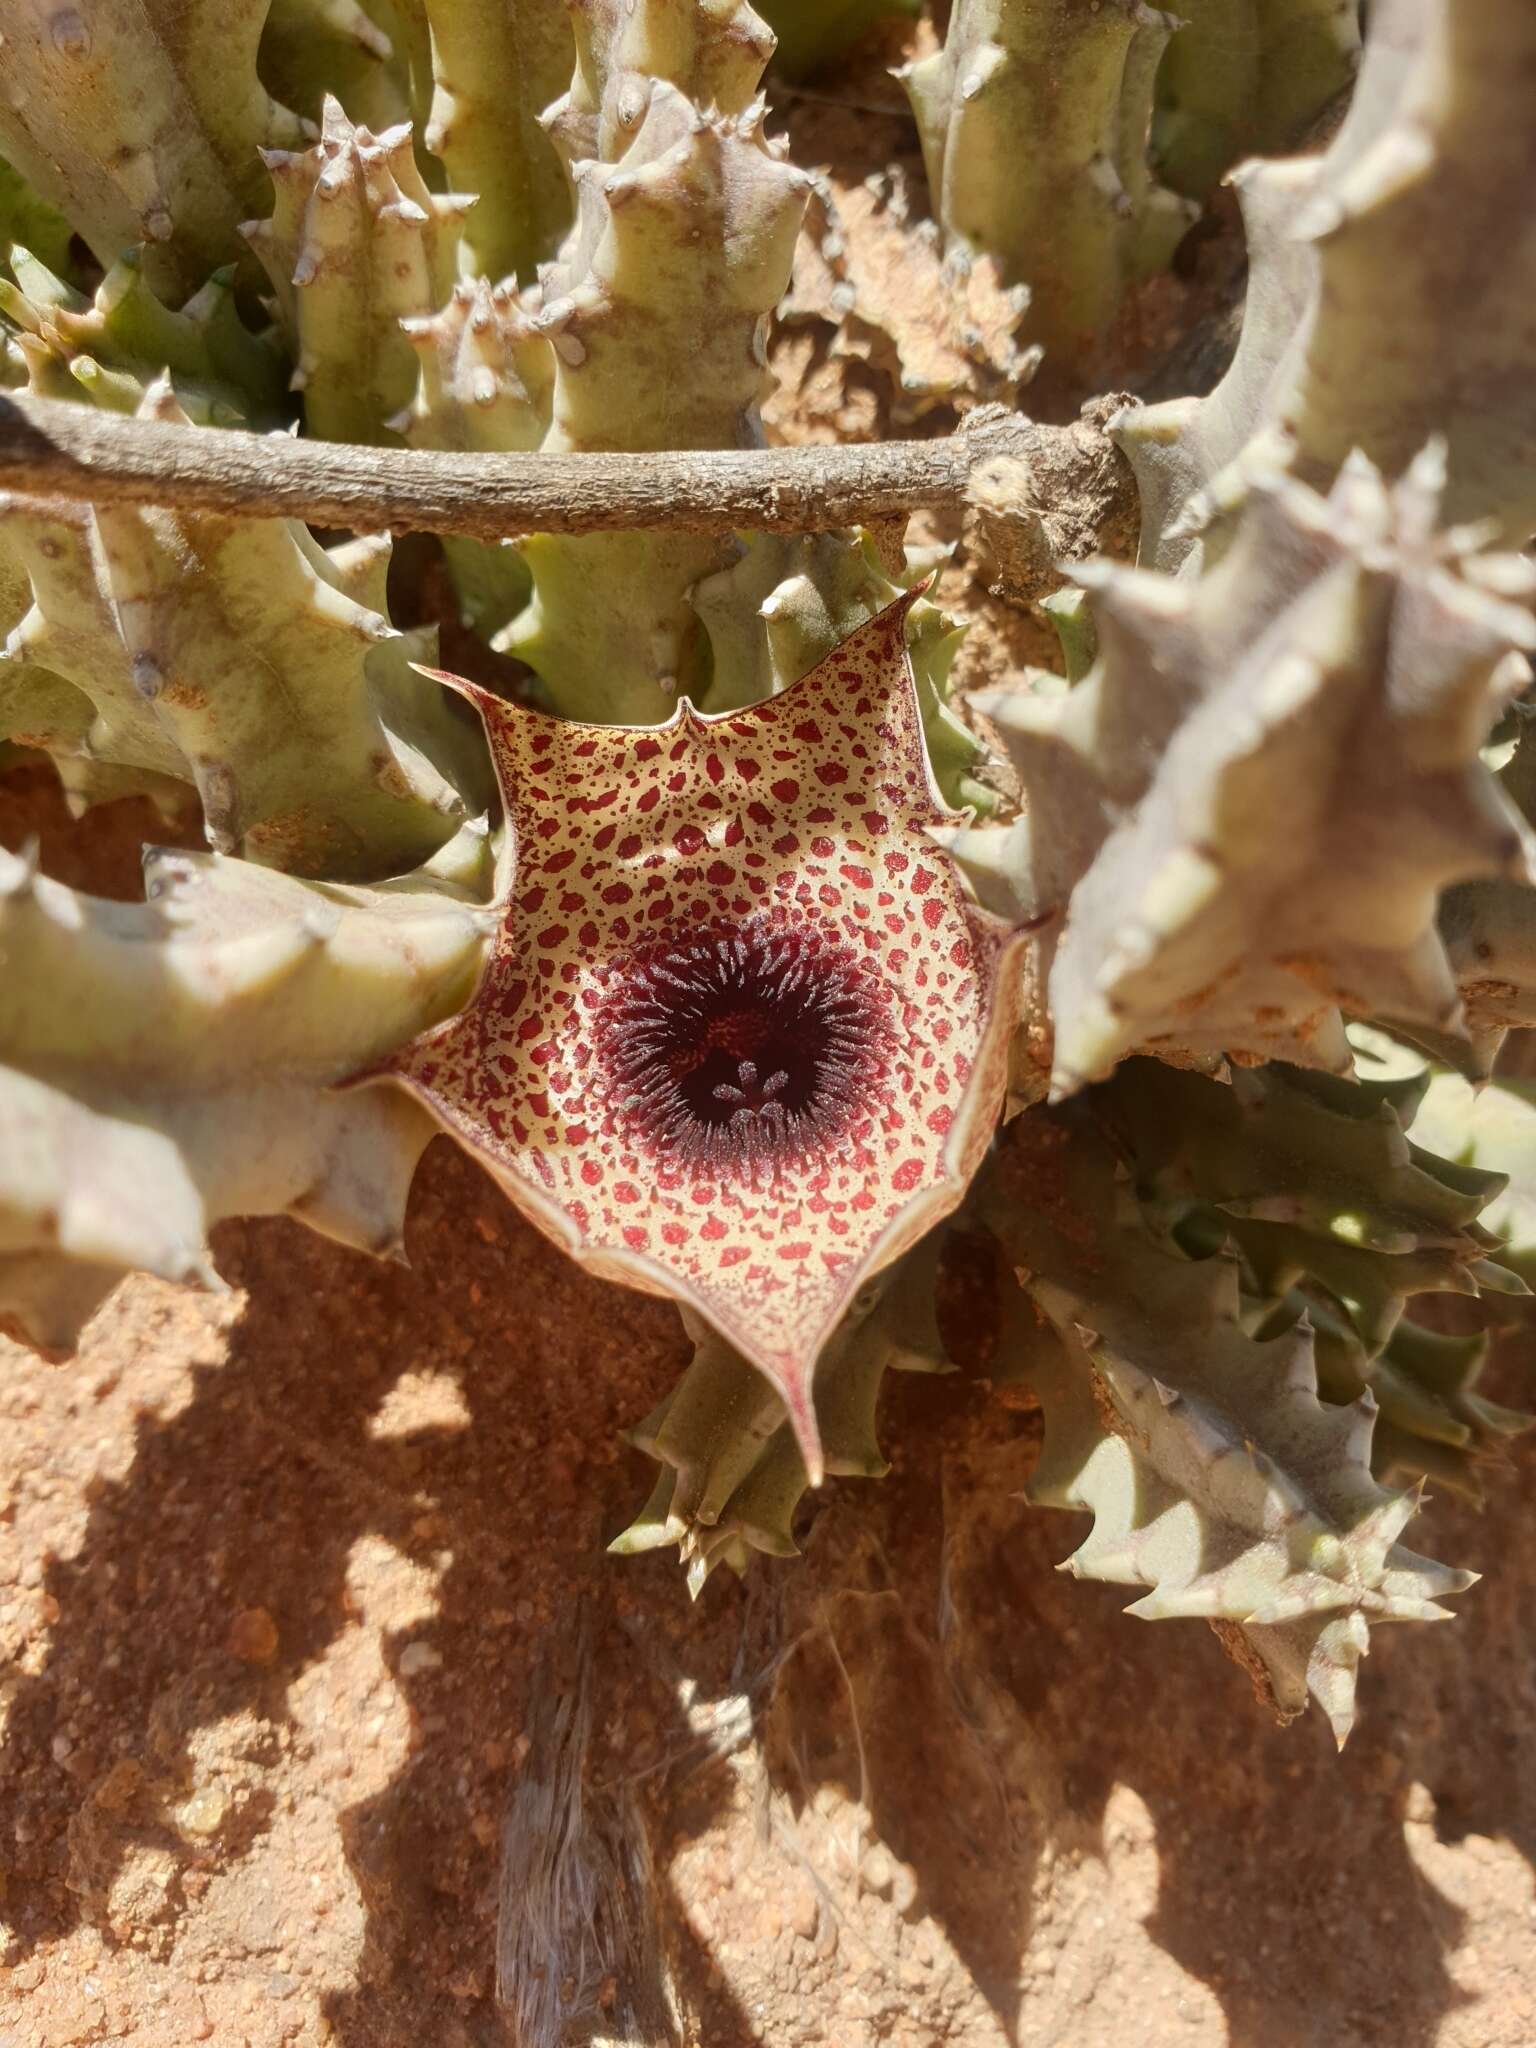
(253, 1636)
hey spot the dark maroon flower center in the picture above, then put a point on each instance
(745, 1050)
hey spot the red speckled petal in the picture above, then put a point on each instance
(739, 1038)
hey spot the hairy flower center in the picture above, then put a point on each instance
(746, 1050)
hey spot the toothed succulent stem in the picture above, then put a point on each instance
(111, 347)
(141, 121)
(681, 249)
(1238, 825)
(732, 1474)
(1034, 121)
(166, 1064)
(485, 380)
(712, 52)
(497, 64)
(238, 657)
(1378, 237)
(1337, 1217)
(1247, 78)
(356, 246)
(1217, 1478)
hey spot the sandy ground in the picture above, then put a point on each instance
(282, 1575)
(292, 1581)
(304, 1609)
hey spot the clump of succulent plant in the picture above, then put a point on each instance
(737, 949)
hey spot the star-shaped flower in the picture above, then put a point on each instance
(740, 1036)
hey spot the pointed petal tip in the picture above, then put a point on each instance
(484, 700)
(443, 675)
(801, 1407)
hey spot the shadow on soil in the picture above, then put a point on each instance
(923, 1657)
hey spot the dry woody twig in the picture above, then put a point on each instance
(52, 449)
